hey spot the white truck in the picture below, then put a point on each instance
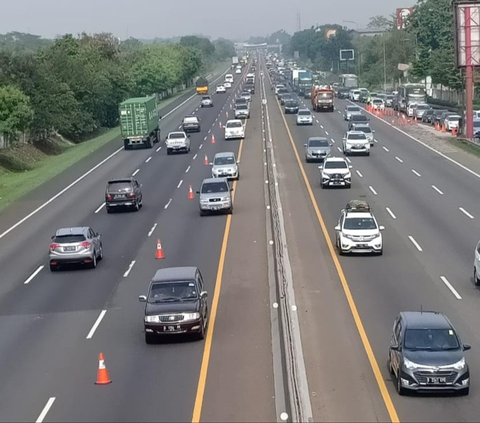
(235, 60)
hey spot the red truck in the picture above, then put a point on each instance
(322, 98)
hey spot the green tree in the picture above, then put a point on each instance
(201, 43)
(224, 48)
(15, 111)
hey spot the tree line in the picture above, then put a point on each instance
(73, 85)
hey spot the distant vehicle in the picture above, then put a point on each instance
(240, 100)
(304, 117)
(123, 193)
(322, 98)
(351, 111)
(317, 148)
(285, 97)
(229, 78)
(227, 85)
(221, 89)
(235, 60)
(452, 122)
(291, 106)
(202, 85)
(191, 124)
(357, 230)
(335, 172)
(250, 88)
(238, 71)
(177, 142)
(411, 109)
(378, 104)
(420, 109)
(348, 80)
(176, 304)
(427, 115)
(246, 95)
(78, 245)
(355, 95)
(343, 92)
(476, 128)
(242, 111)
(215, 196)
(356, 142)
(139, 124)
(437, 115)
(426, 354)
(389, 100)
(409, 93)
(225, 165)
(234, 129)
(367, 131)
(206, 101)
(356, 119)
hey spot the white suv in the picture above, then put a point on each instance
(476, 265)
(177, 142)
(335, 172)
(357, 230)
(234, 129)
(356, 142)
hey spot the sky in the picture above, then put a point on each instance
(147, 19)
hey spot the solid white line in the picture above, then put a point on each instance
(188, 169)
(416, 173)
(399, 159)
(466, 213)
(200, 146)
(96, 324)
(33, 275)
(150, 158)
(130, 267)
(158, 149)
(371, 189)
(339, 149)
(450, 287)
(385, 148)
(28, 216)
(151, 230)
(45, 410)
(166, 205)
(390, 213)
(411, 238)
(333, 140)
(134, 173)
(194, 157)
(436, 189)
(359, 174)
(180, 183)
(326, 133)
(100, 208)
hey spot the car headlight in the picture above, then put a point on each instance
(459, 365)
(348, 175)
(325, 176)
(377, 235)
(152, 319)
(410, 365)
(191, 316)
(225, 198)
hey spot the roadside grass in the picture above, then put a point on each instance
(466, 145)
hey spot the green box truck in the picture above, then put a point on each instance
(139, 122)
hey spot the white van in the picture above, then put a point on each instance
(229, 78)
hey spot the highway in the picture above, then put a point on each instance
(54, 325)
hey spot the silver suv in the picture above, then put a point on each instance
(215, 196)
(317, 148)
(225, 165)
(80, 245)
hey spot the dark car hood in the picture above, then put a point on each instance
(434, 358)
(172, 308)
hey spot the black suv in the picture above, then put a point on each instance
(176, 304)
(291, 106)
(427, 355)
(250, 87)
(122, 193)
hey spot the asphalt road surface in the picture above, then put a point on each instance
(54, 325)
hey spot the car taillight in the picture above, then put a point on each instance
(54, 246)
(86, 244)
(109, 197)
(131, 195)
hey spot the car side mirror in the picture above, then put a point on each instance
(350, 167)
(166, 138)
(142, 298)
(305, 145)
(203, 294)
(53, 236)
(373, 131)
(231, 189)
(330, 145)
(337, 228)
(466, 347)
(238, 161)
(320, 167)
(198, 192)
(382, 228)
(395, 347)
(159, 117)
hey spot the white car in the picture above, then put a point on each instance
(246, 95)
(206, 101)
(221, 89)
(229, 78)
(227, 85)
(350, 111)
(356, 142)
(452, 122)
(357, 230)
(225, 165)
(378, 104)
(304, 117)
(238, 71)
(177, 142)
(355, 95)
(335, 172)
(278, 87)
(411, 109)
(367, 131)
(234, 129)
(476, 265)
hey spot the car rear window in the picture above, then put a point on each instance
(318, 143)
(68, 239)
(356, 136)
(119, 186)
(212, 187)
(176, 135)
(304, 113)
(234, 124)
(190, 120)
(359, 118)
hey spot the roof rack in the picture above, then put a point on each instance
(357, 206)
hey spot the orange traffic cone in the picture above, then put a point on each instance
(454, 132)
(206, 160)
(437, 126)
(444, 128)
(213, 139)
(102, 374)
(159, 254)
(190, 193)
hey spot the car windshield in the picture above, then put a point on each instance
(360, 118)
(476, 124)
(304, 113)
(220, 161)
(68, 239)
(318, 143)
(206, 97)
(359, 223)
(172, 292)
(364, 129)
(356, 136)
(242, 107)
(378, 101)
(291, 103)
(423, 107)
(234, 124)
(353, 109)
(431, 339)
(454, 118)
(190, 120)
(219, 86)
(176, 135)
(119, 186)
(325, 95)
(213, 187)
(335, 165)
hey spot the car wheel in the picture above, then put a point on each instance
(368, 154)
(465, 391)
(400, 389)
(93, 265)
(201, 335)
(349, 186)
(109, 210)
(380, 253)
(169, 151)
(389, 365)
(203, 213)
(149, 338)
(230, 210)
(137, 206)
(100, 255)
(53, 267)
(475, 277)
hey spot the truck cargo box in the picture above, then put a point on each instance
(138, 116)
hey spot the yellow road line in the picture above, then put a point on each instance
(351, 302)
(202, 380)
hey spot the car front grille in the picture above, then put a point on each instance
(362, 238)
(422, 376)
(172, 318)
(214, 200)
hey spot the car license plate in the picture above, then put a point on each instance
(69, 248)
(362, 245)
(436, 380)
(171, 328)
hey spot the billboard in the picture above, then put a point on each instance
(330, 33)
(467, 33)
(403, 13)
(347, 55)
